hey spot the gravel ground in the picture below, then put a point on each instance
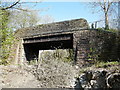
(48, 74)
(15, 77)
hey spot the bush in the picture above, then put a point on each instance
(65, 55)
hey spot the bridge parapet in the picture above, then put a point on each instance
(52, 28)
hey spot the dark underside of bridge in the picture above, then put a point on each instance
(33, 45)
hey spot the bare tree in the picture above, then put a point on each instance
(46, 19)
(9, 6)
(17, 4)
(21, 19)
(107, 7)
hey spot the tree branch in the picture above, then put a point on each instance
(22, 9)
(109, 4)
(102, 6)
(11, 6)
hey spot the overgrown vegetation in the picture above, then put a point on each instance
(55, 73)
(53, 70)
(6, 38)
(100, 65)
(110, 30)
(65, 55)
(106, 64)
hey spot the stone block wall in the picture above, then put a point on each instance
(93, 45)
(89, 46)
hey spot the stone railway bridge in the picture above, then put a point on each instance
(73, 34)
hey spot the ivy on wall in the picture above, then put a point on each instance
(6, 37)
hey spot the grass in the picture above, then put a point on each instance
(113, 65)
(109, 30)
(106, 64)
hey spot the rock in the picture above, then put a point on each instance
(89, 75)
(85, 79)
(113, 80)
(77, 84)
(94, 84)
(92, 80)
(99, 79)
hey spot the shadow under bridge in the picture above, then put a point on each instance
(52, 42)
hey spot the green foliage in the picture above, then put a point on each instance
(114, 65)
(32, 62)
(92, 54)
(6, 38)
(106, 64)
(113, 30)
(66, 56)
(100, 29)
(110, 30)
(67, 59)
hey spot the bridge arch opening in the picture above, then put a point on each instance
(32, 46)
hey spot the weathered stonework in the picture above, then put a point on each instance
(88, 45)
(52, 28)
(92, 45)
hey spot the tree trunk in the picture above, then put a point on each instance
(106, 21)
